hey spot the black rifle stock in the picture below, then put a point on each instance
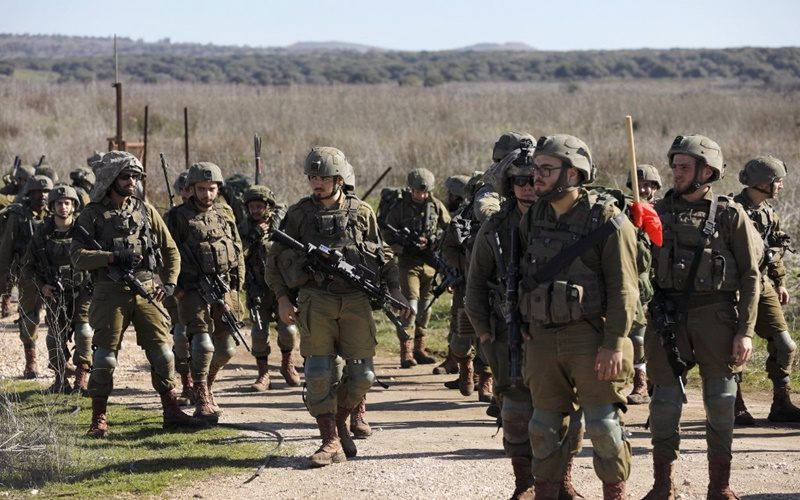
(512, 311)
(662, 312)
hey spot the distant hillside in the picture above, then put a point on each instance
(84, 59)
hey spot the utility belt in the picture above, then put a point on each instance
(102, 278)
(333, 286)
(194, 284)
(696, 301)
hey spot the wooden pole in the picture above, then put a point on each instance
(632, 159)
(186, 135)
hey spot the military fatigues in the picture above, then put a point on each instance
(708, 315)
(588, 305)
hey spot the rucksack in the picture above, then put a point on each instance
(390, 197)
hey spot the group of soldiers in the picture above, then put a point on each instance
(563, 310)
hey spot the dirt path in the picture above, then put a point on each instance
(430, 442)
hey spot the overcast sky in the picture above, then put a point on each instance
(420, 24)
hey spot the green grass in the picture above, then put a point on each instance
(436, 339)
(137, 458)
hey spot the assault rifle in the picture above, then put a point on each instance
(332, 263)
(46, 271)
(509, 276)
(119, 275)
(213, 289)
(662, 312)
(254, 293)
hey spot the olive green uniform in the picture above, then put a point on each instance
(333, 317)
(137, 226)
(589, 304)
(708, 317)
(456, 249)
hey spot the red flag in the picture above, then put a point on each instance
(644, 216)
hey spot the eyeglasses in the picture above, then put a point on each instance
(544, 171)
(127, 175)
(523, 180)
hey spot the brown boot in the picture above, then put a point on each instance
(212, 376)
(741, 415)
(5, 305)
(358, 421)
(449, 365)
(30, 371)
(523, 478)
(262, 382)
(545, 490)
(174, 417)
(567, 491)
(288, 371)
(638, 395)
(614, 491)
(186, 397)
(421, 355)
(493, 410)
(81, 385)
(663, 481)
(485, 380)
(99, 426)
(782, 409)
(719, 475)
(203, 409)
(466, 374)
(348, 445)
(406, 359)
(331, 450)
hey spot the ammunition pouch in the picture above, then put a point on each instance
(555, 303)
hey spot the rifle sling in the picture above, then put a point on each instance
(708, 229)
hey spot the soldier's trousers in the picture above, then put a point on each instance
(30, 309)
(771, 323)
(210, 338)
(180, 342)
(462, 335)
(416, 282)
(65, 316)
(287, 335)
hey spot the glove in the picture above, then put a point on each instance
(645, 218)
(127, 258)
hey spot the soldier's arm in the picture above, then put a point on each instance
(776, 271)
(30, 264)
(83, 256)
(482, 269)
(169, 250)
(7, 247)
(487, 202)
(618, 264)
(451, 250)
(746, 244)
(444, 215)
(390, 274)
(292, 223)
(240, 269)
(393, 219)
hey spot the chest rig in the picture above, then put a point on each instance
(27, 223)
(421, 219)
(128, 228)
(56, 245)
(257, 245)
(210, 239)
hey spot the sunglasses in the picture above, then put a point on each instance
(126, 176)
(523, 180)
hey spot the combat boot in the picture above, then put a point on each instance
(202, 407)
(99, 426)
(288, 371)
(60, 384)
(186, 397)
(421, 355)
(348, 445)
(663, 481)
(331, 450)
(449, 365)
(466, 374)
(81, 385)
(406, 359)
(567, 491)
(30, 370)
(493, 410)
(212, 376)
(614, 491)
(262, 382)
(719, 475)
(545, 490)
(782, 409)
(485, 380)
(5, 305)
(174, 417)
(638, 395)
(358, 421)
(740, 414)
(523, 478)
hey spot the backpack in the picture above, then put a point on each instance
(390, 197)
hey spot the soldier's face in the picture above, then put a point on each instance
(37, 197)
(205, 193)
(257, 209)
(63, 207)
(525, 195)
(322, 186)
(419, 196)
(185, 194)
(547, 170)
(126, 182)
(20, 180)
(647, 189)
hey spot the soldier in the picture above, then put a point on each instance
(20, 222)
(578, 303)
(210, 246)
(8, 193)
(48, 171)
(264, 215)
(134, 243)
(83, 180)
(710, 252)
(455, 185)
(649, 182)
(66, 291)
(763, 177)
(334, 318)
(423, 217)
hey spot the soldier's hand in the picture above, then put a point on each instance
(127, 258)
(163, 291)
(742, 349)
(783, 295)
(422, 243)
(264, 226)
(607, 364)
(48, 291)
(286, 310)
(406, 313)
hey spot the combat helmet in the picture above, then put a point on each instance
(507, 143)
(24, 171)
(456, 185)
(325, 161)
(258, 192)
(112, 164)
(47, 171)
(762, 170)
(702, 148)
(204, 171)
(474, 184)
(95, 161)
(180, 182)
(517, 162)
(38, 183)
(349, 178)
(421, 179)
(63, 191)
(646, 173)
(83, 175)
(571, 150)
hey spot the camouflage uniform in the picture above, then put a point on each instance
(19, 176)
(83, 180)
(209, 245)
(130, 232)
(19, 224)
(424, 220)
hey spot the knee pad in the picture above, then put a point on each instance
(318, 377)
(83, 335)
(162, 361)
(785, 349)
(338, 370)
(545, 431)
(515, 415)
(224, 349)
(104, 361)
(284, 329)
(604, 428)
(719, 396)
(201, 344)
(180, 341)
(666, 405)
(360, 375)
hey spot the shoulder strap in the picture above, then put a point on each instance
(706, 232)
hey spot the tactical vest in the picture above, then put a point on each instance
(56, 245)
(421, 219)
(211, 240)
(128, 228)
(502, 223)
(256, 258)
(23, 231)
(717, 270)
(577, 291)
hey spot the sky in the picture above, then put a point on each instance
(420, 24)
